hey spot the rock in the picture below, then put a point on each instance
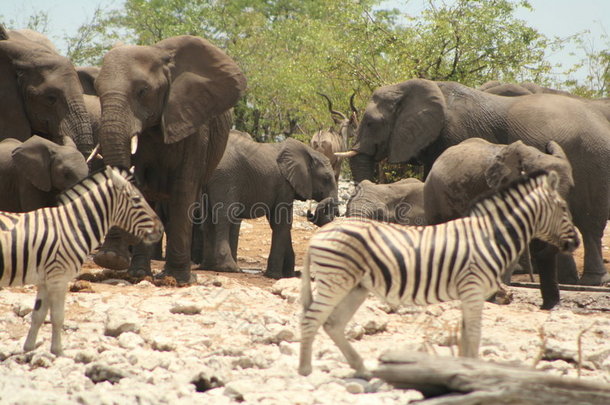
(145, 284)
(374, 326)
(204, 382)
(130, 340)
(354, 387)
(120, 321)
(186, 309)
(554, 351)
(22, 309)
(116, 281)
(86, 356)
(163, 344)
(279, 335)
(599, 358)
(99, 372)
(44, 360)
(286, 348)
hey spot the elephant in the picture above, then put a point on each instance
(87, 76)
(328, 141)
(513, 90)
(40, 91)
(176, 97)
(463, 173)
(34, 172)
(401, 202)
(326, 211)
(261, 179)
(418, 119)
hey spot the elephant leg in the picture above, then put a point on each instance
(208, 248)
(140, 260)
(544, 256)
(197, 244)
(234, 238)
(281, 257)
(566, 269)
(179, 231)
(223, 256)
(114, 252)
(595, 272)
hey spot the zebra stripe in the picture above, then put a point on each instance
(48, 246)
(461, 259)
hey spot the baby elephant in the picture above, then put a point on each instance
(261, 179)
(401, 202)
(473, 168)
(34, 172)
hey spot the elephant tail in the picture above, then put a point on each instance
(306, 296)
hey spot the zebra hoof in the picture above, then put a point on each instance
(111, 260)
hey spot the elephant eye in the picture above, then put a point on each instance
(51, 99)
(142, 91)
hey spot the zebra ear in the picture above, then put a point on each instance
(553, 180)
(115, 176)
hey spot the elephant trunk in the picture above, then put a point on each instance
(77, 127)
(363, 167)
(116, 131)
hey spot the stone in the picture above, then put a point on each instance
(99, 372)
(163, 344)
(120, 321)
(186, 309)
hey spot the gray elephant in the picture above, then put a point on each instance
(40, 92)
(401, 202)
(176, 98)
(418, 119)
(473, 168)
(326, 211)
(522, 89)
(330, 141)
(34, 172)
(261, 179)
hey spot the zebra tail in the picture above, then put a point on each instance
(306, 296)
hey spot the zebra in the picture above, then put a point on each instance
(460, 259)
(48, 246)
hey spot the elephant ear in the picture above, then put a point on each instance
(33, 160)
(295, 162)
(13, 119)
(506, 165)
(87, 76)
(420, 117)
(205, 83)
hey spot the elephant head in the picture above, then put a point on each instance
(308, 172)
(175, 86)
(399, 121)
(48, 166)
(517, 158)
(325, 212)
(40, 91)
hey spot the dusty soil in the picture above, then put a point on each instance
(235, 336)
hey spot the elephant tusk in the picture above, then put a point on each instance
(134, 144)
(94, 153)
(347, 154)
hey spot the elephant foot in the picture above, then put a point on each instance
(139, 272)
(113, 259)
(595, 279)
(182, 277)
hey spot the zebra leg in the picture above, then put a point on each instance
(57, 301)
(313, 317)
(472, 310)
(41, 307)
(335, 328)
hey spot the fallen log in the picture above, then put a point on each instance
(457, 380)
(565, 287)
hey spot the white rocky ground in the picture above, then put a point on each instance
(236, 338)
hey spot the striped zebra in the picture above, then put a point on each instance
(461, 259)
(48, 246)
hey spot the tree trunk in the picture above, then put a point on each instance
(456, 380)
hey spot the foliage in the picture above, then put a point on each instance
(292, 49)
(597, 64)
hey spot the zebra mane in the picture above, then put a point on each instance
(89, 183)
(507, 188)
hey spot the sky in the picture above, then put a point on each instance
(553, 18)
